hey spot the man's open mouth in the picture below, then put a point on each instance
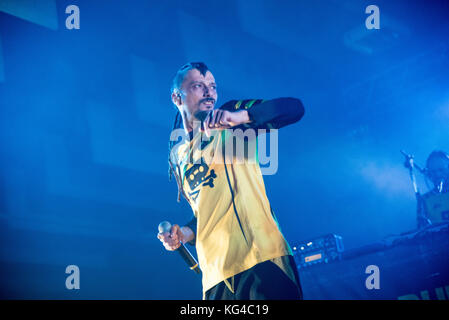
(208, 103)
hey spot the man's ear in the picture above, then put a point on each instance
(176, 98)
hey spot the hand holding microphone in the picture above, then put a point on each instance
(170, 236)
(173, 239)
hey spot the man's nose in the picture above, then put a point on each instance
(206, 92)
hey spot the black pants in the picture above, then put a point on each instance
(264, 281)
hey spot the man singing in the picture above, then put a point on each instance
(241, 250)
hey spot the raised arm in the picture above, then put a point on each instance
(267, 114)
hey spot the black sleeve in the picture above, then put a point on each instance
(268, 114)
(192, 225)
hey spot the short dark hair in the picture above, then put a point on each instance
(180, 75)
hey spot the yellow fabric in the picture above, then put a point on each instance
(228, 243)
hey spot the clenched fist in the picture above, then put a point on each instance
(224, 119)
(172, 240)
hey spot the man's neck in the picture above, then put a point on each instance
(191, 124)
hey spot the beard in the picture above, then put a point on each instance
(201, 115)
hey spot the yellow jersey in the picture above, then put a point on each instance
(234, 224)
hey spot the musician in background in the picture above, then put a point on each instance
(436, 201)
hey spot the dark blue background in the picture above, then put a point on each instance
(85, 117)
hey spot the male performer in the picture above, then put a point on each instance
(436, 201)
(241, 250)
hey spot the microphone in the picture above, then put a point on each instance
(165, 226)
(410, 164)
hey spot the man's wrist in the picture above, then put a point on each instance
(187, 234)
(245, 117)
